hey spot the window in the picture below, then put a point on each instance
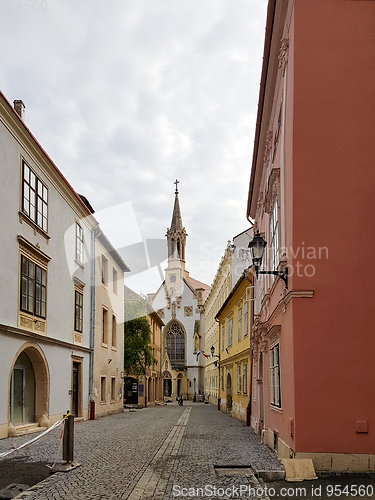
(114, 332)
(244, 377)
(33, 288)
(104, 270)
(34, 198)
(230, 332)
(105, 327)
(79, 243)
(113, 388)
(222, 337)
(238, 379)
(175, 338)
(222, 379)
(102, 389)
(245, 318)
(274, 245)
(114, 281)
(254, 382)
(275, 376)
(239, 323)
(78, 312)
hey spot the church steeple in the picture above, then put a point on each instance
(176, 237)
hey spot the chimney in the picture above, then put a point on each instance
(19, 108)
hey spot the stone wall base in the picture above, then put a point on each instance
(343, 463)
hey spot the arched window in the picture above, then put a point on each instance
(175, 338)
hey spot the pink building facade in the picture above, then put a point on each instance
(311, 194)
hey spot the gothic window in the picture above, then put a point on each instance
(175, 338)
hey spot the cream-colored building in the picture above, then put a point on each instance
(235, 260)
(220, 290)
(108, 355)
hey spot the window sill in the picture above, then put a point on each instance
(79, 264)
(276, 409)
(114, 348)
(37, 229)
(104, 345)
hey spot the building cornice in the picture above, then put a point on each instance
(10, 330)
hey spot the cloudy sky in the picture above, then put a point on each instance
(128, 95)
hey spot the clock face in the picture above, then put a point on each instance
(173, 278)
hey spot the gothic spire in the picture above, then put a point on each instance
(176, 223)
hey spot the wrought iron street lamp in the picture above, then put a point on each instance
(214, 355)
(257, 246)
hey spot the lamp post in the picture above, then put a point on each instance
(195, 393)
(257, 246)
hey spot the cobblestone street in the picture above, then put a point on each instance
(149, 453)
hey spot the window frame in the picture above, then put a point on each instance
(39, 287)
(274, 238)
(239, 324)
(114, 280)
(230, 332)
(78, 308)
(104, 270)
(80, 244)
(103, 389)
(113, 388)
(275, 385)
(39, 216)
(104, 326)
(238, 379)
(244, 378)
(114, 332)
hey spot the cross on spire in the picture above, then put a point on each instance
(176, 182)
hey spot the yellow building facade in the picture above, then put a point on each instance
(234, 346)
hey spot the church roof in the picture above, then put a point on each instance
(195, 284)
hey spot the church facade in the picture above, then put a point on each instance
(179, 303)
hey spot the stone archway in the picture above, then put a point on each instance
(229, 392)
(29, 383)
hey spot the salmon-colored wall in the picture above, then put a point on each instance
(334, 206)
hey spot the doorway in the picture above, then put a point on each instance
(22, 392)
(229, 393)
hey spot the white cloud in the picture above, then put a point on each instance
(127, 95)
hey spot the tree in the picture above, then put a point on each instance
(137, 338)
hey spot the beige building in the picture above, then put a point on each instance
(108, 356)
(152, 381)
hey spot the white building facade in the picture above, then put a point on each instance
(46, 275)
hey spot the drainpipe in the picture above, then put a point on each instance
(248, 408)
(92, 312)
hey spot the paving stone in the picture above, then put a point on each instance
(169, 447)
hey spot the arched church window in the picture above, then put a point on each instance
(175, 338)
(178, 250)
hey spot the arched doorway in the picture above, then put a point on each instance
(167, 384)
(28, 386)
(229, 392)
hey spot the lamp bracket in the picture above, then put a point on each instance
(281, 274)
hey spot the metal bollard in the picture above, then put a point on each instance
(68, 441)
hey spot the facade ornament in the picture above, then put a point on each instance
(268, 147)
(160, 313)
(188, 311)
(173, 310)
(168, 302)
(272, 189)
(283, 55)
(178, 300)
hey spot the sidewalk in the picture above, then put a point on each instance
(149, 453)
